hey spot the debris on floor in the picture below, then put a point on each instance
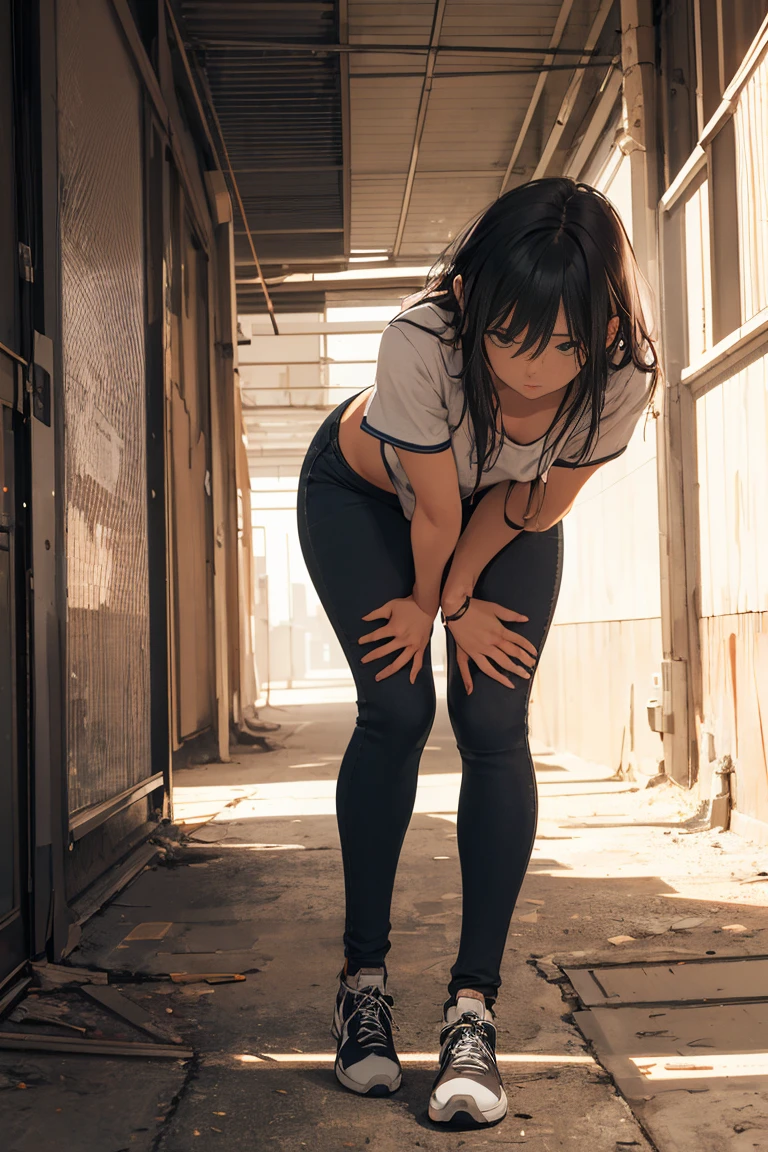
(648, 1025)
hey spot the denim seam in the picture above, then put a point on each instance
(529, 686)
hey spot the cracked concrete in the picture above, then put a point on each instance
(257, 890)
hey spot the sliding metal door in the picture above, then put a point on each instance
(101, 150)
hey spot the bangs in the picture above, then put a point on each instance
(528, 300)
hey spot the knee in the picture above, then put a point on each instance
(402, 719)
(488, 726)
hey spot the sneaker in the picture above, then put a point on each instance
(468, 1087)
(366, 1060)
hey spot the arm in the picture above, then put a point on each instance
(436, 521)
(487, 532)
(481, 633)
(435, 528)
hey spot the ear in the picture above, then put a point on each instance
(458, 290)
(613, 327)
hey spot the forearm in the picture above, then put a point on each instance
(432, 543)
(485, 535)
(489, 531)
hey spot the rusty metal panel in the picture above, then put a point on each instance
(102, 286)
(734, 657)
(191, 484)
(714, 981)
(644, 1047)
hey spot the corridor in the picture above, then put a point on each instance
(254, 887)
(211, 213)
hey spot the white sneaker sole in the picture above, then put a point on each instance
(444, 1113)
(374, 1087)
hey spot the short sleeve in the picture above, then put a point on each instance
(626, 398)
(407, 408)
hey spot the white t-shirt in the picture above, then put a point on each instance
(418, 399)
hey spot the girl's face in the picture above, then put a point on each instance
(535, 376)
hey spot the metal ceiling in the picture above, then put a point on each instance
(387, 124)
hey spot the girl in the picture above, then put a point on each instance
(522, 368)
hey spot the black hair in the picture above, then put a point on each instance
(544, 243)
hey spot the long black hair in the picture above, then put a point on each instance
(544, 243)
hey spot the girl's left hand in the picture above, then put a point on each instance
(481, 635)
(407, 628)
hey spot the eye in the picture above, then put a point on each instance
(568, 346)
(501, 338)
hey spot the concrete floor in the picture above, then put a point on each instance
(258, 891)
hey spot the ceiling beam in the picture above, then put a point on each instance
(388, 284)
(600, 117)
(556, 37)
(569, 100)
(421, 116)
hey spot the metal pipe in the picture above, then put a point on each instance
(393, 49)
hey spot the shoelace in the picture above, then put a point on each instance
(374, 1008)
(470, 1050)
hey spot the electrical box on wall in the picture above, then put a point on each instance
(660, 718)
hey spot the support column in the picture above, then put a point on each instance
(646, 151)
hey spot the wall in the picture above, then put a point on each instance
(604, 649)
(731, 438)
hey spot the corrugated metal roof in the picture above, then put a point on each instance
(282, 117)
(280, 114)
(472, 120)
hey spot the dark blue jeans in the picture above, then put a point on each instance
(356, 543)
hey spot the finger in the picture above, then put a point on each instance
(516, 638)
(485, 666)
(509, 614)
(516, 651)
(382, 613)
(380, 634)
(501, 658)
(416, 667)
(462, 661)
(396, 665)
(382, 650)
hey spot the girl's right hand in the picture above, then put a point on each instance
(408, 630)
(481, 636)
